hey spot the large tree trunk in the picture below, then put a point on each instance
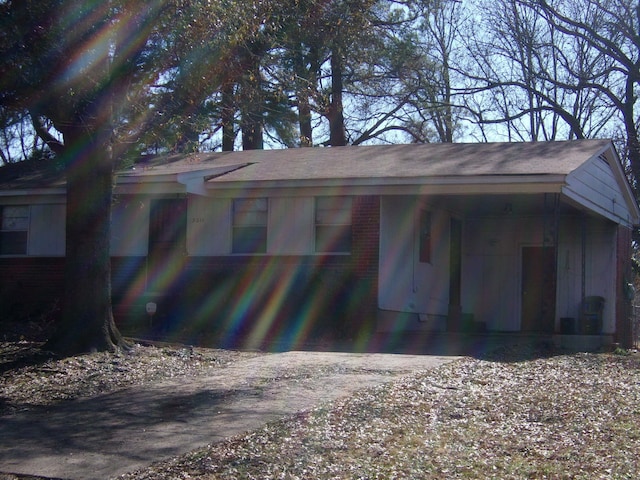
(227, 118)
(337, 134)
(304, 115)
(305, 79)
(87, 323)
(633, 142)
(251, 132)
(252, 108)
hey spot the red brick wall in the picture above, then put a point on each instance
(366, 236)
(31, 287)
(365, 257)
(303, 296)
(310, 296)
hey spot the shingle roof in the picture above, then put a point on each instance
(413, 160)
(361, 162)
(31, 174)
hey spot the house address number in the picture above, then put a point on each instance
(197, 220)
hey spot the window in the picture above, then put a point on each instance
(425, 237)
(14, 230)
(333, 224)
(250, 225)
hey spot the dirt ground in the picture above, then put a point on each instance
(110, 434)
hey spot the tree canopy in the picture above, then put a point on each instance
(69, 65)
(248, 74)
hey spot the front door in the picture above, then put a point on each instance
(167, 243)
(538, 289)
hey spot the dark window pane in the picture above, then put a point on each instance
(333, 238)
(14, 217)
(250, 218)
(13, 243)
(168, 225)
(249, 240)
(333, 210)
(333, 224)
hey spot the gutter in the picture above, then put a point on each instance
(390, 186)
(34, 192)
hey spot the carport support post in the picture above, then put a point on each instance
(624, 292)
(454, 314)
(583, 259)
(550, 238)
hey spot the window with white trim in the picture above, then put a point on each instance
(333, 224)
(14, 230)
(250, 217)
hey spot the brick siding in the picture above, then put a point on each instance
(311, 296)
(31, 288)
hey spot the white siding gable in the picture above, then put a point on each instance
(596, 186)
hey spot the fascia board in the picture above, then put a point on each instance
(33, 192)
(386, 181)
(429, 186)
(146, 188)
(147, 178)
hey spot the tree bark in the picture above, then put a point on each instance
(251, 132)
(251, 121)
(633, 142)
(227, 117)
(304, 116)
(87, 322)
(305, 78)
(337, 134)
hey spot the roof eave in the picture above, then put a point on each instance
(433, 185)
(33, 192)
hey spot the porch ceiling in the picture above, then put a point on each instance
(501, 205)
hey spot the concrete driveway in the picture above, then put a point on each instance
(107, 435)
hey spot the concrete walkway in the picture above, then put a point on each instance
(105, 436)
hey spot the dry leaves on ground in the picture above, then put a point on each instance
(566, 416)
(30, 377)
(514, 415)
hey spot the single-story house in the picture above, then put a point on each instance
(297, 244)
